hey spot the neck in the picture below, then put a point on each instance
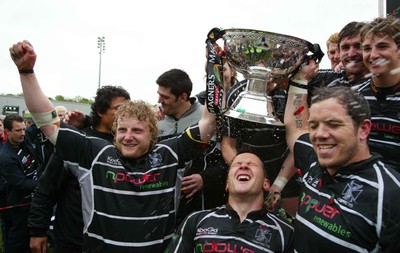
(102, 129)
(362, 154)
(357, 77)
(14, 144)
(386, 81)
(243, 206)
(185, 106)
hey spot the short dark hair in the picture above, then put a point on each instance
(350, 30)
(9, 119)
(103, 99)
(356, 105)
(177, 80)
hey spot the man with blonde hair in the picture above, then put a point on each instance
(128, 189)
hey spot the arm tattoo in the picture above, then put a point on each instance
(297, 104)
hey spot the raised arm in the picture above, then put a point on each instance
(296, 112)
(38, 104)
(207, 125)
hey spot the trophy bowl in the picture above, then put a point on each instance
(262, 58)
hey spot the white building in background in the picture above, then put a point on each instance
(16, 104)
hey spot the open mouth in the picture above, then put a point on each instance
(326, 147)
(243, 178)
(380, 62)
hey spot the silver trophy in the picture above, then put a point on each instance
(262, 58)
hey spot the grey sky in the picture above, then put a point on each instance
(146, 38)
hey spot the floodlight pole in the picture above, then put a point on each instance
(101, 41)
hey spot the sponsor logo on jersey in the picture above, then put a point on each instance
(207, 231)
(386, 128)
(221, 247)
(314, 205)
(113, 161)
(137, 180)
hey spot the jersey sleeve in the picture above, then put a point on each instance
(304, 153)
(183, 239)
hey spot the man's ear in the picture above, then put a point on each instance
(364, 129)
(266, 184)
(184, 97)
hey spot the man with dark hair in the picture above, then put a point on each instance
(350, 54)
(180, 110)
(348, 200)
(244, 224)
(18, 168)
(202, 181)
(108, 99)
(58, 186)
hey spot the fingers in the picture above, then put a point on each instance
(191, 185)
(23, 55)
(271, 201)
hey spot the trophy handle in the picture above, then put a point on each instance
(214, 73)
(316, 55)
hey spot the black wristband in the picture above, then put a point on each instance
(25, 71)
(299, 85)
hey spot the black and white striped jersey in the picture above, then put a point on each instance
(384, 137)
(128, 205)
(356, 210)
(220, 230)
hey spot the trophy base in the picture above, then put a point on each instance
(255, 108)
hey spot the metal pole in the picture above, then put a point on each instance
(382, 8)
(101, 46)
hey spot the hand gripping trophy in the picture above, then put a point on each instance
(262, 58)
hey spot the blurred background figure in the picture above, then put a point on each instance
(61, 111)
(332, 45)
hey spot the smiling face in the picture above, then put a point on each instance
(333, 54)
(335, 139)
(351, 57)
(246, 176)
(170, 104)
(381, 55)
(133, 138)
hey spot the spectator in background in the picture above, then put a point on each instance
(244, 224)
(332, 45)
(203, 177)
(3, 183)
(61, 111)
(18, 168)
(3, 135)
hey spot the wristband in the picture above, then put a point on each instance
(280, 182)
(26, 71)
(297, 90)
(299, 83)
